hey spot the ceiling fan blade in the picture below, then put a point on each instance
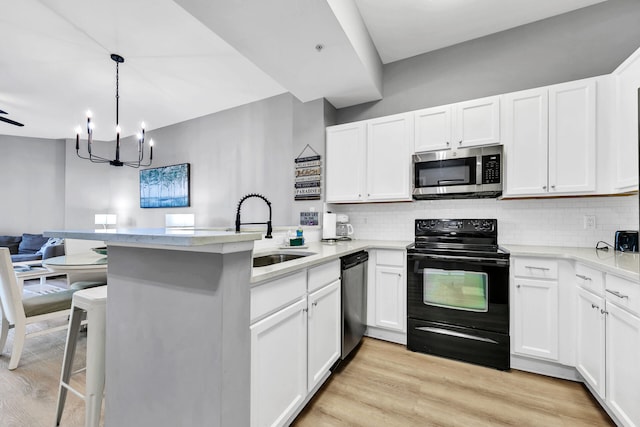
(11, 122)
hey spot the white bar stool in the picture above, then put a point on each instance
(93, 301)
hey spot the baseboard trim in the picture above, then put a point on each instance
(386, 335)
(542, 367)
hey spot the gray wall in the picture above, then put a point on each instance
(248, 149)
(584, 43)
(32, 175)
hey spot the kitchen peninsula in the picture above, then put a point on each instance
(178, 348)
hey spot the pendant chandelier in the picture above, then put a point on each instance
(115, 162)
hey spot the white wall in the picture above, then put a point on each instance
(248, 149)
(32, 174)
(549, 222)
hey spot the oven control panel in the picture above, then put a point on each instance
(439, 226)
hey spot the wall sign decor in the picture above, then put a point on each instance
(165, 187)
(308, 175)
(308, 218)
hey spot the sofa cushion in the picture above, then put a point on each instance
(31, 243)
(24, 257)
(11, 242)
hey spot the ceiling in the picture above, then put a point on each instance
(189, 58)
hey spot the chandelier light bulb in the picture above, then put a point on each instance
(89, 114)
(139, 135)
(78, 130)
(92, 125)
(142, 125)
(151, 143)
(118, 130)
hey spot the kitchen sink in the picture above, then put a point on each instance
(277, 258)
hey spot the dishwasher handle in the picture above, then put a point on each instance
(352, 260)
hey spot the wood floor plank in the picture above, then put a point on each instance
(384, 384)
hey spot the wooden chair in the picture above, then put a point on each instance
(17, 312)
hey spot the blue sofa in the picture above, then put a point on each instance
(32, 247)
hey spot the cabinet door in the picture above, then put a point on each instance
(590, 340)
(572, 137)
(345, 163)
(432, 129)
(324, 339)
(526, 142)
(391, 300)
(623, 369)
(627, 77)
(389, 142)
(536, 318)
(279, 365)
(477, 122)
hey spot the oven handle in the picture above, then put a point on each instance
(497, 261)
(455, 334)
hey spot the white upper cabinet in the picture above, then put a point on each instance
(627, 82)
(370, 161)
(477, 122)
(550, 140)
(345, 163)
(433, 129)
(389, 142)
(526, 136)
(465, 124)
(572, 137)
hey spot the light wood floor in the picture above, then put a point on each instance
(383, 385)
(28, 394)
(387, 385)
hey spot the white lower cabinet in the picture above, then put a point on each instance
(279, 365)
(295, 345)
(390, 298)
(590, 339)
(324, 332)
(623, 364)
(535, 316)
(387, 295)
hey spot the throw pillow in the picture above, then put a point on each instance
(31, 243)
(53, 241)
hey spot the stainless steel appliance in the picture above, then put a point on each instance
(467, 173)
(458, 291)
(354, 300)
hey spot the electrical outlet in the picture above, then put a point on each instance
(589, 222)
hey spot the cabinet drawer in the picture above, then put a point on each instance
(323, 275)
(538, 268)
(623, 293)
(270, 296)
(590, 279)
(390, 257)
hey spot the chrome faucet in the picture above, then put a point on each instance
(238, 223)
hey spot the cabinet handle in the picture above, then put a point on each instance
(447, 143)
(359, 195)
(583, 277)
(517, 286)
(553, 187)
(305, 310)
(603, 311)
(315, 303)
(536, 268)
(616, 293)
(544, 187)
(459, 142)
(595, 306)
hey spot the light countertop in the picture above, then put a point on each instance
(158, 236)
(321, 253)
(623, 264)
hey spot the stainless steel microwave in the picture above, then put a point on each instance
(466, 173)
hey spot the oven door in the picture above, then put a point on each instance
(465, 291)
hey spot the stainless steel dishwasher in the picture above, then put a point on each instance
(354, 300)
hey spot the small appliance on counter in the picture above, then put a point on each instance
(344, 230)
(626, 241)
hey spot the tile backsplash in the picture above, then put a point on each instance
(548, 222)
